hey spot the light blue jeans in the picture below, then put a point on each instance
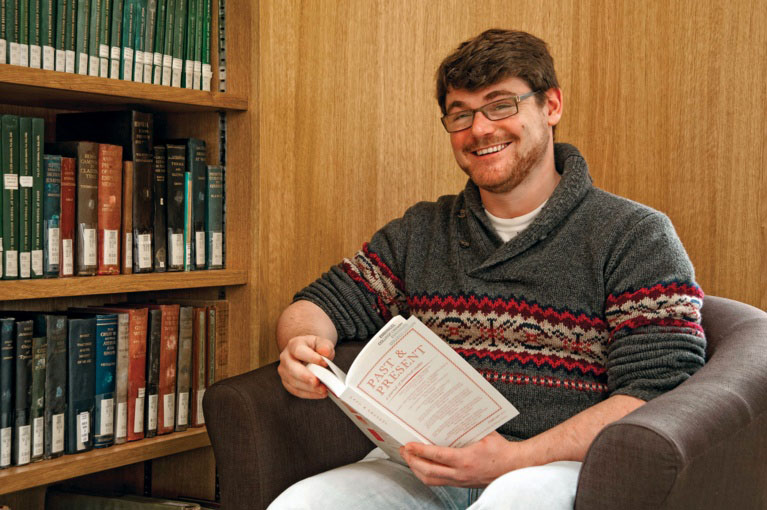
(377, 483)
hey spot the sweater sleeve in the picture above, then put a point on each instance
(363, 292)
(653, 312)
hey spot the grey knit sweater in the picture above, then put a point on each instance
(596, 297)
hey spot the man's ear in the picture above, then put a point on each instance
(553, 105)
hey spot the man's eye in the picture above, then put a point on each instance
(462, 115)
(502, 107)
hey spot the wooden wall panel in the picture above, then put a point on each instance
(665, 99)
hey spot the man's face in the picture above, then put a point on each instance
(499, 155)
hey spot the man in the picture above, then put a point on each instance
(577, 305)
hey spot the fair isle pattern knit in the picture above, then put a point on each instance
(596, 297)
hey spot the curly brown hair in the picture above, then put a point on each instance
(495, 55)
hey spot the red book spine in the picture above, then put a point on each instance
(166, 412)
(137, 373)
(199, 342)
(109, 208)
(67, 220)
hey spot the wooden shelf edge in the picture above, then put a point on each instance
(61, 90)
(70, 466)
(16, 290)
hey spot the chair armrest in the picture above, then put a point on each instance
(701, 445)
(265, 439)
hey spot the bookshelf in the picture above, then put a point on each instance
(178, 113)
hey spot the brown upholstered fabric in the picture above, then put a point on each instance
(701, 446)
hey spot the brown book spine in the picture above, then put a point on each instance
(109, 208)
(166, 411)
(126, 259)
(67, 221)
(87, 215)
(137, 373)
(199, 341)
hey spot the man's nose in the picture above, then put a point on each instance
(481, 125)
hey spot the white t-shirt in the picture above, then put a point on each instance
(509, 228)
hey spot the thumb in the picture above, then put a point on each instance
(324, 347)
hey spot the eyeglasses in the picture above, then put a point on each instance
(496, 110)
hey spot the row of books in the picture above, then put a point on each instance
(94, 377)
(119, 204)
(163, 42)
(58, 499)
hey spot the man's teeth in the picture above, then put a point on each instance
(490, 150)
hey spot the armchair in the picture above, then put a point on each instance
(701, 446)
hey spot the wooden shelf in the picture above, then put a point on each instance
(69, 466)
(15, 290)
(51, 89)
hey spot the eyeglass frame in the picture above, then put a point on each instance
(517, 100)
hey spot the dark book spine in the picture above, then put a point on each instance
(198, 168)
(37, 407)
(184, 364)
(199, 339)
(55, 384)
(159, 235)
(7, 365)
(214, 225)
(38, 180)
(80, 385)
(67, 219)
(153, 371)
(9, 145)
(109, 208)
(51, 214)
(127, 219)
(25, 197)
(87, 213)
(176, 169)
(104, 391)
(22, 429)
(143, 190)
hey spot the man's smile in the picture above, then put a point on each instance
(490, 150)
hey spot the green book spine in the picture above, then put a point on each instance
(214, 208)
(7, 361)
(3, 31)
(37, 408)
(94, 37)
(128, 36)
(48, 34)
(106, 362)
(38, 138)
(207, 71)
(81, 379)
(70, 38)
(197, 155)
(179, 32)
(138, 42)
(159, 42)
(104, 27)
(60, 34)
(12, 31)
(23, 31)
(149, 29)
(197, 73)
(35, 34)
(51, 215)
(55, 383)
(82, 37)
(115, 39)
(167, 52)
(10, 148)
(189, 40)
(188, 226)
(25, 197)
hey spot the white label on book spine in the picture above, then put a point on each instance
(61, 60)
(37, 436)
(11, 181)
(157, 78)
(25, 260)
(152, 418)
(37, 262)
(107, 417)
(83, 429)
(176, 249)
(128, 64)
(26, 181)
(57, 435)
(111, 256)
(35, 56)
(89, 248)
(3, 51)
(200, 415)
(53, 245)
(128, 250)
(217, 256)
(69, 65)
(12, 263)
(188, 73)
(67, 258)
(138, 70)
(24, 444)
(24, 55)
(168, 409)
(157, 58)
(15, 54)
(199, 249)
(82, 63)
(49, 58)
(104, 67)
(147, 69)
(104, 50)
(183, 408)
(121, 424)
(114, 69)
(177, 67)
(145, 251)
(115, 53)
(94, 65)
(5, 446)
(138, 414)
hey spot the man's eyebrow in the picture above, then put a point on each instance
(487, 97)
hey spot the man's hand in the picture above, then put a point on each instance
(475, 465)
(296, 378)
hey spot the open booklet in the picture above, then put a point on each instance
(408, 385)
